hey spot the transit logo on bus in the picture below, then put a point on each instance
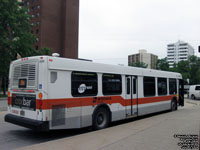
(82, 88)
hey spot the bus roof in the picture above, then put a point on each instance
(59, 63)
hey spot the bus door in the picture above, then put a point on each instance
(181, 93)
(131, 96)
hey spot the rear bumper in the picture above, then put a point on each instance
(28, 123)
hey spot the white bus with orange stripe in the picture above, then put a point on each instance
(49, 93)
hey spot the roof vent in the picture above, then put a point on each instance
(55, 55)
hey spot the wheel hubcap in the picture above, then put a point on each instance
(100, 119)
(173, 106)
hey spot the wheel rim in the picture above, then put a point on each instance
(101, 119)
(173, 105)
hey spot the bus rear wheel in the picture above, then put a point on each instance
(173, 105)
(101, 119)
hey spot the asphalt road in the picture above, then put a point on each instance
(151, 132)
(3, 104)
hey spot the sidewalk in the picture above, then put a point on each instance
(152, 133)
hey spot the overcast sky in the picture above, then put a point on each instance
(110, 30)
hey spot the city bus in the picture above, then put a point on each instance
(51, 93)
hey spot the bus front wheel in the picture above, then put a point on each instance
(173, 105)
(101, 118)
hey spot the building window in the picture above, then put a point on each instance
(37, 31)
(112, 84)
(172, 45)
(38, 7)
(36, 47)
(84, 84)
(32, 8)
(162, 86)
(38, 14)
(149, 86)
(172, 86)
(37, 23)
(184, 44)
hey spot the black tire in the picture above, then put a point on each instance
(101, 118)
(193, 97)
(173, 105)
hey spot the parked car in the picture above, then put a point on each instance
(194, 92)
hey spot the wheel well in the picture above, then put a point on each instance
(174, 99)
(103, 106)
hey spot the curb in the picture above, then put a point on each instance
(194, 103)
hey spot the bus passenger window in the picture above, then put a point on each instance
(112, 84)
(162, 86)
(149, 86)
(84, 84)
(172, 86)
(53, 77)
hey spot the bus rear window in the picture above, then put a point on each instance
(84, 84)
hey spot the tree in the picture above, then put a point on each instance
(139, 64)
(189, 69)
(194, 68)
(162, 64)
(16, 37)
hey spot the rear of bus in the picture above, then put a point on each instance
(27, 88)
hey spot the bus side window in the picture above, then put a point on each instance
(53, 77)
(162, 86)
(112, 84)
(149, 86)
(172, 86)
(84, 84)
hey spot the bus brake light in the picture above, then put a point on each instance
(40, 95)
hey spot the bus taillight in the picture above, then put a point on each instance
(40, 95)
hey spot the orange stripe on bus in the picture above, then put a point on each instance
(91, 101)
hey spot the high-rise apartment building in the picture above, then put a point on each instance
(55, 24)
(144, 57)
(178, 51)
